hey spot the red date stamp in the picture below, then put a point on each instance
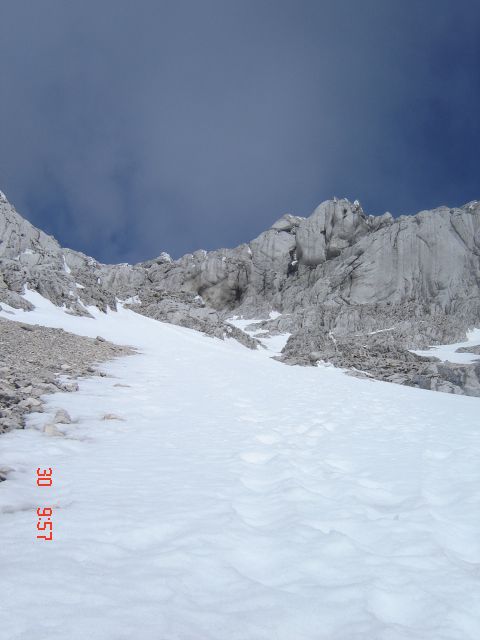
(44, 524)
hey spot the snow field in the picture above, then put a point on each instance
(237, 497)
(449, 351)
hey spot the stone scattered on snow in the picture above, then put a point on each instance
(30, 362)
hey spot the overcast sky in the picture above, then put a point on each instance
(128, 128)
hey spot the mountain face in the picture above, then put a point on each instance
(353, 289)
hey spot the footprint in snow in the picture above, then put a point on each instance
(257, 457)
(338, 464)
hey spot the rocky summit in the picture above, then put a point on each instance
(357, 290)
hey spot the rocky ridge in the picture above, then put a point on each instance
(353, 289)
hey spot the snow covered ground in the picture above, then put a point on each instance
(448, 351)
(273, 344)
(238, 498)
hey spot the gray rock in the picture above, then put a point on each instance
(472, 349)
(52, 430)
(377, 286)
(70, 387)
(31, 361)
(4, 471)
(31, 404)
(62, 417)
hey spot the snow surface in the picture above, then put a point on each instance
(65, 266)
(273, 344)
(237, 498)
(448, 351)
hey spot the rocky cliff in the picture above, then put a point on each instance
(353, 289)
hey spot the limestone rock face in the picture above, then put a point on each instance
(160, 288)
(332, 227)
(339, 274)
(31, 258)
(19, 239)
(432, 258)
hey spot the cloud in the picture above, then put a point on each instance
(132, 128)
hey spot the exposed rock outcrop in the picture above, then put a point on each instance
(377, 285)
(475, 349)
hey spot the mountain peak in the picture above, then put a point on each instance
(409, 282)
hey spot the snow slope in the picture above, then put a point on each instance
(240, 499)
(449, 351)
(273, 344)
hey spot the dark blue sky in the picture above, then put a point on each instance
(131, 128)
